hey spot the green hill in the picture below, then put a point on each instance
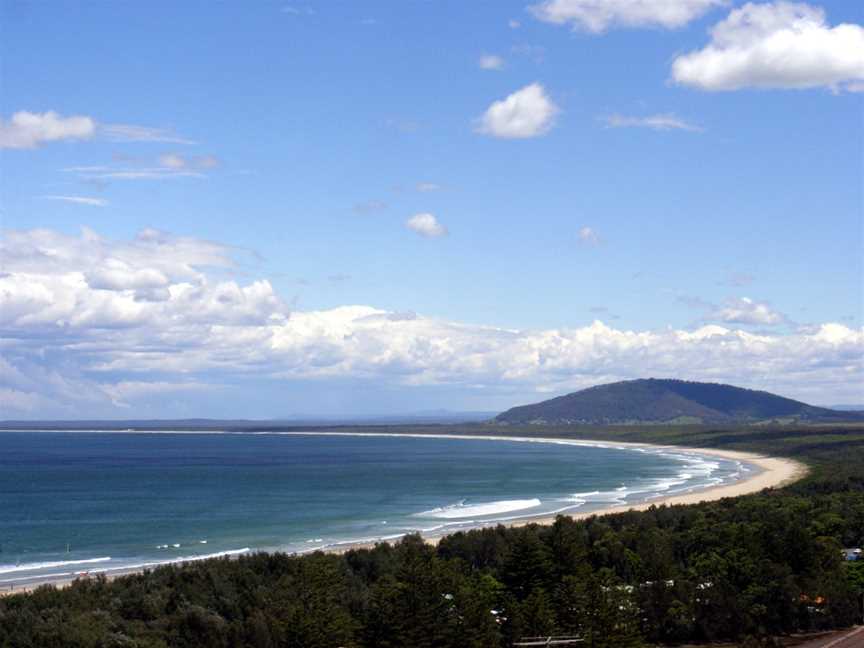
(669, 401)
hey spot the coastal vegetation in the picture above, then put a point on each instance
(740, 569)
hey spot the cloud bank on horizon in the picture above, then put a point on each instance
(92, 325)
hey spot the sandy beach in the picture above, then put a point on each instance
(772, 472)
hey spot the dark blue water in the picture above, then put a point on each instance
(118, 500)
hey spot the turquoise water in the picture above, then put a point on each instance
(82, 501)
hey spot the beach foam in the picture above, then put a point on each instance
(463, 510)
(122, 566)
(8, 569)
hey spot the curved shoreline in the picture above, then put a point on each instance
(774, 472)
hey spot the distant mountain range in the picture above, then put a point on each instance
(657, 401)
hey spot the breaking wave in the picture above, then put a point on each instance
(8, 569)
(463, 510)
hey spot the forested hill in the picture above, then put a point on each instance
(669, 401)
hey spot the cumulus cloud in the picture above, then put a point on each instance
(599, 15)
(743, 310)
(79, 200)
(661, 122)
(775, 45)
(588, 236)
(491, 62)
(52, 279)
(426, 225)
(736, 310)
(528, 112)
(27, 130)
(77, 336)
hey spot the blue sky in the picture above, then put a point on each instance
(300, 139)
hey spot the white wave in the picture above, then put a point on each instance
(7, 569)
(121, 567)
(588, 494)
(462, 510)
(47, 578)
(174, 561)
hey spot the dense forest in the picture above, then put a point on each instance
(742, 570)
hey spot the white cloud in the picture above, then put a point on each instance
(513, 24)
(661, 122)
(528, 112)
(172, 161)
(599, 15)
(84, 328)
(588, 236)
(79, 200)
(298, 11)
(491, 62)
(165, 172)
(133, 133)
(426, 187)
(775, 45)
(177, 162)
(427, 225)
(27, 130)
(744, 310)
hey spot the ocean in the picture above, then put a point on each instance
(101, 502)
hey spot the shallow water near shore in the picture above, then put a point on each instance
(95, 502)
